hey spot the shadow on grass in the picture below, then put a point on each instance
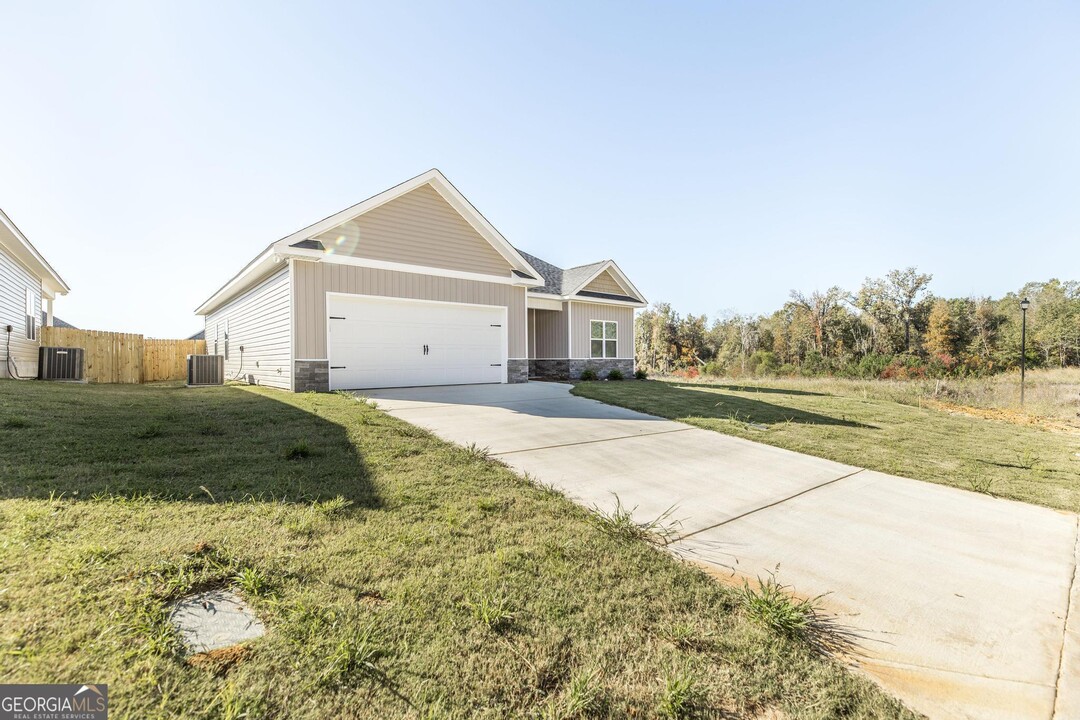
(704, 403)
(171, 442)
(753, 389)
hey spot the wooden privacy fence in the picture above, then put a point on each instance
(126, 357)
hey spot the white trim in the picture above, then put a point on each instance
(292, 327)
(247, 277)
(432, 177)
(26, 254)
(604, 340)
(569, 328)
(591, 358)
(445, 189)
(296, 360)
(317, 256)
(620, 277)
(586, 299)
(505, 312)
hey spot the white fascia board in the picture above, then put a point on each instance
(446, 190)
(255, 269)
(323, 257)
(24, 251)
(602, 301)
(579, 299)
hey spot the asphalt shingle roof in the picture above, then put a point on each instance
(558, 281)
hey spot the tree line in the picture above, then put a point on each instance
(891, 327)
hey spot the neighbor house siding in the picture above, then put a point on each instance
(14, 280)
(605, 283)
(418, 228)
(311, 282)
(548, 334)
(582, 313)
(260, 321)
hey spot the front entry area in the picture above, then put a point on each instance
(381, 342)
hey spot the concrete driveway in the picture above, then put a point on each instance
(960, 600)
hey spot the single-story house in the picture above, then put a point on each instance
(28, 286)
(415, 287)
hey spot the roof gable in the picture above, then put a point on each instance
(605, 282)
(449, 194)
(417, 228)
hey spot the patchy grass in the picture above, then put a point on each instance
(852, 424)
(398, 576)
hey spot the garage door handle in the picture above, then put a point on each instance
(336, 317)
(496, 326)
(337, 367)
(496, 364)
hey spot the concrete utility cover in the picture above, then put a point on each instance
(215, 619)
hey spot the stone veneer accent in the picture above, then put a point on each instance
(517, 370)
(549, 369)
(311, 376)
(602, 367)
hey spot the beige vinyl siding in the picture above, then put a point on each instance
(548, 335)
(418, 228)
(14, 280)
(311, 282)
(606, 283)
(582, 313)
(260, 321)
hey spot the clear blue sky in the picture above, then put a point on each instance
(721, 153)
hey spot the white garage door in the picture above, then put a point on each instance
(384, 342)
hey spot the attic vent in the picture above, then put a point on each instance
(205, 370)
(60, 363)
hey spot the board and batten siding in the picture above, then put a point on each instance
(418, 228)
(14, 280)
(605, 283)
(582, 313)
(312, 280)
(260, 320)
(548, 337)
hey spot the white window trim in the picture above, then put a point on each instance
(604, 340)
(31, 315)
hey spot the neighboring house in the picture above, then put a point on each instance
(28, 286)
(414, 287)
(56, 322)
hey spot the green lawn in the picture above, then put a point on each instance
(850, 425)
(398, 575)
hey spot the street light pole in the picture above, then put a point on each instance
(1024, 305)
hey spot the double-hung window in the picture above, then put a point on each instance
(604, 339)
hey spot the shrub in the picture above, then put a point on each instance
(787, 369)
(715, 369)
(872, 365)
(640, 374)
(763, 362)
(615, 374)
(588, 374)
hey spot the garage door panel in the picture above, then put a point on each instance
(380, 343)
